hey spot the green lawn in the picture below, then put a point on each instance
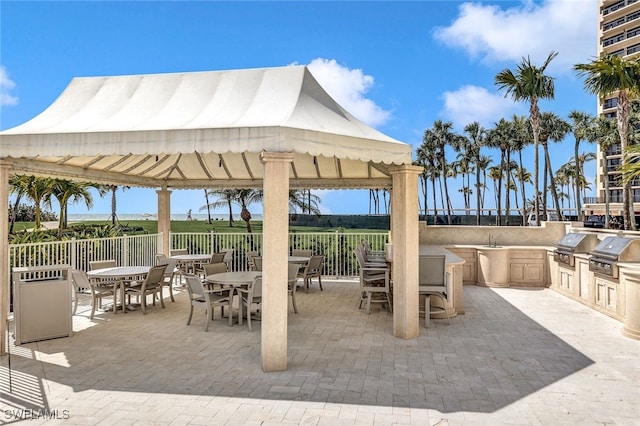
(221, 226)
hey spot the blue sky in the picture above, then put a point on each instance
(397, 66)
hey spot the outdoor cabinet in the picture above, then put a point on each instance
(42, 303)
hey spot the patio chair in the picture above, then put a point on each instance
(152, 285)
(249, 298)
(97, 291)
(302, 253)
(375, 284)
(313, 269)
(433, 280)
(215, 258)
(257, 263)
(250, 262)
(207, 299)
(228, 257)
(372, 261)
(101, 264)
(374, 256)
(169, 275)
(178, 252)
(292, 283)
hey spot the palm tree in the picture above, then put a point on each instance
(604, 76)
(579, 180)
(429, 154)
(498, 137)
(483, 163)
(552, 128)
(245, 197)
(38, 189)
(304, 200)
(225, 198)
(65, 191)
(607, 135)
(438, 138)
(582, 125)
(421, 161)
(18, 185)
(529, 84)
(476, 138)
(521, 137)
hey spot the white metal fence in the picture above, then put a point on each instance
(140, 250)
(336, 246)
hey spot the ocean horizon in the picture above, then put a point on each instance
(123, 217)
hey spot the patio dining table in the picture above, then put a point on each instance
(186, 262)
(123, 275)
(236, 279)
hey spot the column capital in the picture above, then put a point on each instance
(163, 190)
(405, 168)
(276, 156)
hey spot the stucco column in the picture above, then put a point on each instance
(405, 241)
(164, 219)
(275, 251)
(631, 276)
(4, 254)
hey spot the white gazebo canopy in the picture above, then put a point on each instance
(202, 129)
(269, 128)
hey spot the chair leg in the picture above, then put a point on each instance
(320, 282)
(389, 303)
(190, 315)
(161, 298)
(427, 310)
(444, 306)
(368, 302)
(207, 320)
(143, 304)
(94, 302)
(249, 316)
(171, 291)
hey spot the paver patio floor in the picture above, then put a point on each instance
(518, 356)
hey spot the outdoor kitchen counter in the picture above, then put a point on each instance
(504, 266)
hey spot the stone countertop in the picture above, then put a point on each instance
(500, 247)
(452, 258)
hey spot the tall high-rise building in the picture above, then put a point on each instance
(619, 34)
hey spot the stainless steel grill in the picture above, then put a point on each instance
(571, 244)
(606, 255)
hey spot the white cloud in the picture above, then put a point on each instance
(472, 103)
(493, 33)
(349, 88)
(5, 87)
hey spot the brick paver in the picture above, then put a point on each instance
(517, 357)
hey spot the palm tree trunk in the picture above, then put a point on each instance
(534, 118)
(623, 112)
(435, 200)
(206, 200)
(554, 192)
(446, 192)
(478, 196)
(14, 213)
(607, 196)
(577, 180)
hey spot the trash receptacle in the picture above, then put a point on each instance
(42, 303)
